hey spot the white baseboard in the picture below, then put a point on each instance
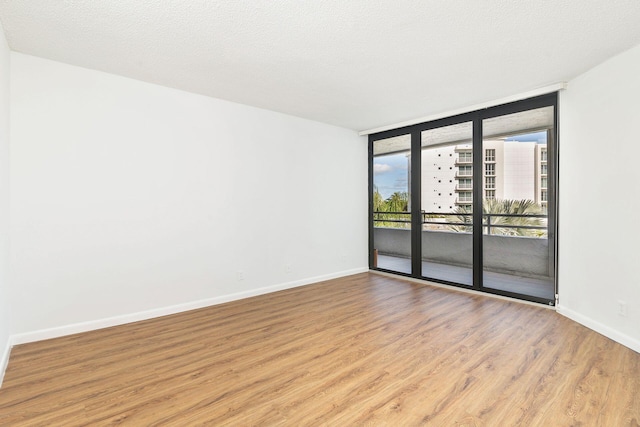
(4, 360)
(608, 332)
(91, 325)
(149, 314)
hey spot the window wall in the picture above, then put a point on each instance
(480, 202)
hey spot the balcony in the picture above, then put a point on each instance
(541, 288)
(464, 174)
(511, 263)
(445, 221)
(464, 200)
(463, 161)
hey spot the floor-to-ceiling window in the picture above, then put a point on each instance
(447, 203)
(470, 200)
(391, 203)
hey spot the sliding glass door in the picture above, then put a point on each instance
(470, 200)
(391, 204)
(447, 203)
(517, 239)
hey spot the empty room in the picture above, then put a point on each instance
(336, 213)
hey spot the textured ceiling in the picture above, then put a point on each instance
(353, 63)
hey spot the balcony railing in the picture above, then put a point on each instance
(464, 187)
(464, 174)
(463, 161)
(490, 222)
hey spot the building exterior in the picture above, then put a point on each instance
(511, 170)
(439, 178)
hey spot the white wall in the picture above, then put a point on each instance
(599, 255)
(129, 197)
(4, 203)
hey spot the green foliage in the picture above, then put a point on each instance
(464, 217)
(392, 212)
(505, 225)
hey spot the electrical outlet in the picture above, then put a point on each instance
(240, 275)
(622, 308)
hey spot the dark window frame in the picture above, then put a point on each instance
(476, 117)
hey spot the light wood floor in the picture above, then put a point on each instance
(362, 350)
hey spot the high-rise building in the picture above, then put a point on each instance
(439, 173)
(512, 170)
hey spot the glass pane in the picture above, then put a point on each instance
(446, 203)
(517, 252)
(391, 207)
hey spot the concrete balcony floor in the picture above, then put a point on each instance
(501, 281)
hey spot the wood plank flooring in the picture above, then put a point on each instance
(366, 350)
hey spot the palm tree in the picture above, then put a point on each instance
(398, 202)
(379, 204)
(464, 218)
(523, 211)
(503, 216)
(391, 209)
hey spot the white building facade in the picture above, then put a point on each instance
(512, 170)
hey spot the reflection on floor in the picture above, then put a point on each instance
(506, 282)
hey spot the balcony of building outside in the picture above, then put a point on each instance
(464, 198)
(462, 160)
(447, 248)
(464, 174)
(464, 188)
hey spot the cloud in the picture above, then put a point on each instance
(381, 168)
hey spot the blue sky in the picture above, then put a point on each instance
(390, 174)
(539, 137)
